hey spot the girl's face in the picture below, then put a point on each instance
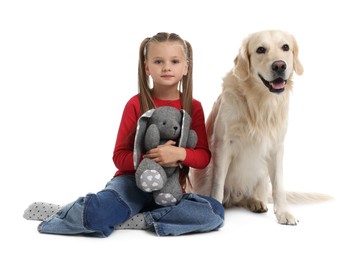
(166, 63)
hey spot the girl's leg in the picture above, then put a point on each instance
(43, 210)
(97, 214)
(193, 214)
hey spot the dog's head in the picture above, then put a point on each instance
(269, 57)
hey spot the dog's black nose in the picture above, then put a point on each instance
(279, 66)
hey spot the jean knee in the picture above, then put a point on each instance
(104, 210)
(217, 207)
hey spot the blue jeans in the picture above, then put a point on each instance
(98, 214)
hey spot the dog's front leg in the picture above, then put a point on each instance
(279, 195)
(220, 166)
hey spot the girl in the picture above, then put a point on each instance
(167, 59)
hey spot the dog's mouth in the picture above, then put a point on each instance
(275, 86)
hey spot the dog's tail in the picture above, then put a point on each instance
(307, 197)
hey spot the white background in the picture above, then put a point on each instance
(68, 67)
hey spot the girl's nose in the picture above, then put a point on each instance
(166, 67)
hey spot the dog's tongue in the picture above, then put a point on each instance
(277, 85)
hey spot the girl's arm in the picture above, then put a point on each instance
(123, 151)
(200, 156)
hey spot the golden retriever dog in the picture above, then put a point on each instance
(247, 126)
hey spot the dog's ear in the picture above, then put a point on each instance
(241, 62)
(298, 67)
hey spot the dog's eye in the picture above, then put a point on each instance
(285, 47)
(260, 50)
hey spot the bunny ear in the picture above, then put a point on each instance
(185, 127)
(140, 135)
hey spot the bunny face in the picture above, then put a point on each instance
(168, 122)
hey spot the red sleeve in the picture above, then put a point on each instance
(123, 151)
(199, 157)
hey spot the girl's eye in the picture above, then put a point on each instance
(175, 61)
(158, 61)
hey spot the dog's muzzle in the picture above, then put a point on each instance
(275, 86)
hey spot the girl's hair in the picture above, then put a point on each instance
(185, 86)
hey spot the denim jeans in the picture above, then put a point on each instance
(98, 214)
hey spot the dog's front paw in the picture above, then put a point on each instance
(285, 218)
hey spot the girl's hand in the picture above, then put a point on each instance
(167, 154)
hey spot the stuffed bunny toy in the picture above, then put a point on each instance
(156, 127)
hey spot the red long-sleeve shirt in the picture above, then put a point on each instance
(197, 158)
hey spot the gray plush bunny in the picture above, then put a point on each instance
(156, 127)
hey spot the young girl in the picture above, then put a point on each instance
(167, 59)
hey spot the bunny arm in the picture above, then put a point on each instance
(152, 137)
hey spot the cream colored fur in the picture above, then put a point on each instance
(247, 126)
